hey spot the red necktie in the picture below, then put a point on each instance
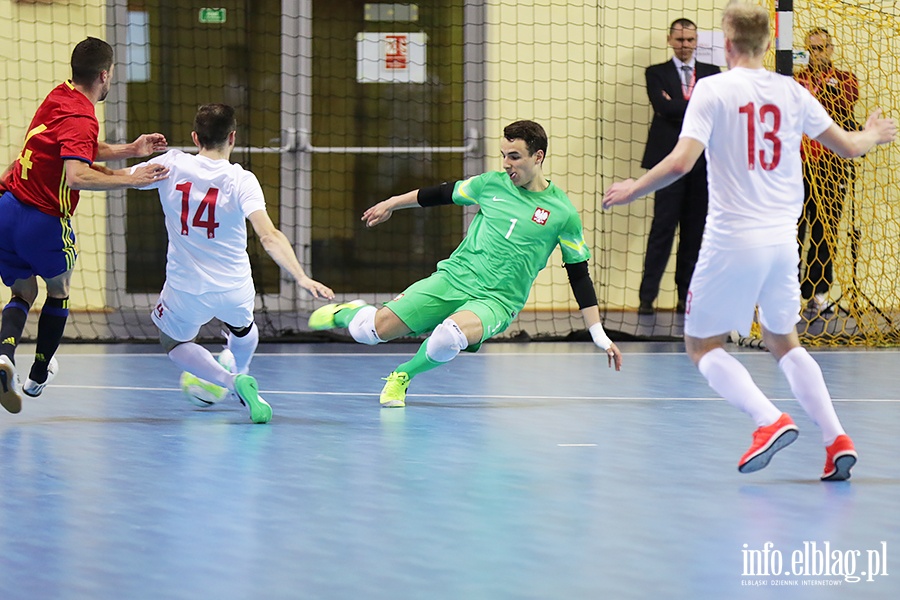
(687, 86)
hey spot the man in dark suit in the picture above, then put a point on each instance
(683, 204)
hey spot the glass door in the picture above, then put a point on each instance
(326, 135)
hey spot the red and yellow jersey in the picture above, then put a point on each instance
(838, 92)
(64, 127)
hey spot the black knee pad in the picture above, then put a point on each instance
(243, 331)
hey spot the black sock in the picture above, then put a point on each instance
(12, 325)
(51, 326)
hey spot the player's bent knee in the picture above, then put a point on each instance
(168, 343)
(445, 342)
(362, 327)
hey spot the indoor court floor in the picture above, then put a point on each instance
(524, 471)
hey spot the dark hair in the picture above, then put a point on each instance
(213, 123)
(683, 23)
(531, 133)
(818, 31)
(89, 58)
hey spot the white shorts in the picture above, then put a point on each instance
(728, 285)
(180, 314)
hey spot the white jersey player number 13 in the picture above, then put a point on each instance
(770, 115)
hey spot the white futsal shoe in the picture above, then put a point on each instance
(10, 398)
(33, 388)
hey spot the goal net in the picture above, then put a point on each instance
(849, 233)
(343, 103)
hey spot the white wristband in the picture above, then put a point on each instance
(599, 336)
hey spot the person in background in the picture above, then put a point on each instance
(827, 177)
(681, 205)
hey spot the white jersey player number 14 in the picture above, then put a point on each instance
(207, 207)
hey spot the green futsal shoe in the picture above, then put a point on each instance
(393, 395)
(323, 317)
(247, 391)
(201, 392)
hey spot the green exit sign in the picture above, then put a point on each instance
(212, 15)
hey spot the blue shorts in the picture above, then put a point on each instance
(32, 242)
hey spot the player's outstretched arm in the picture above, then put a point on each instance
(621, 192)
(583, 289)
(279, 248)
(674, 166)
(81, 176)
(851, 144)
(591, 316)
(144, 145)
(382, 211)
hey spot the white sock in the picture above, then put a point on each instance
(196, 359)
(728, 377)
(243, 348)
(808, 385)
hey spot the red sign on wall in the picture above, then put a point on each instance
(391, 57)
(396, 53)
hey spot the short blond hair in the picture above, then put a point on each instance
(747, 26)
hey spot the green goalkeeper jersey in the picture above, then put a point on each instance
(512, 237)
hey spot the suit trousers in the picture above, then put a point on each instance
(681, 206)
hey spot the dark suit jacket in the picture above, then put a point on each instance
(668, 115)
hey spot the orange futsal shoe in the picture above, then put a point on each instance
(839, 459)
(766, 442)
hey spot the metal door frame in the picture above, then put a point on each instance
(296, 152)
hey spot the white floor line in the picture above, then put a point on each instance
(457, 396)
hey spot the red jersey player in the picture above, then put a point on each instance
(40, 194)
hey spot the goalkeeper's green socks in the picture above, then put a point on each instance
(418, 363)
